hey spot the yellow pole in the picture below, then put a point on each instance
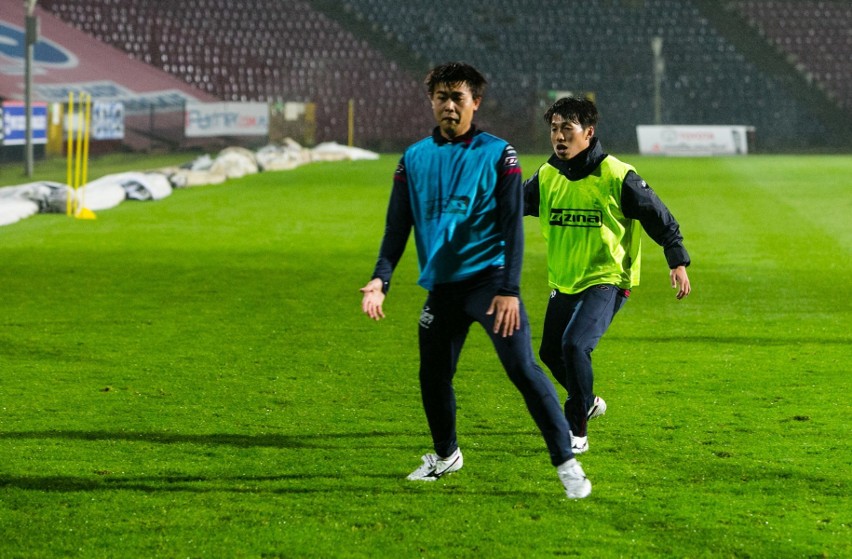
(69, 155)
(351, 122)
(86, 138)
(78, 164)
(83, 147)
(310, 124)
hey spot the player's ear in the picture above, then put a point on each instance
(590, 131)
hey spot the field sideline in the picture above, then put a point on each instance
(193, 378)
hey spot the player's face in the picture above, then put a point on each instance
(568, 138)
(453, 106)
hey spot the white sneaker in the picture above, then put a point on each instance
(598, 408)
(434, 466)
(579, 445)
(577, 485)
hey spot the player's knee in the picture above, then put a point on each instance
(550, 356)
(575, 348)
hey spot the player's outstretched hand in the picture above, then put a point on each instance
(680, 281)
(371, 302)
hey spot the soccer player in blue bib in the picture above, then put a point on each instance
(460, 190)
(591, 206)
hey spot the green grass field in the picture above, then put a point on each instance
(193, 378)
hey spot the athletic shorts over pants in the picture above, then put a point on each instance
(446, 318)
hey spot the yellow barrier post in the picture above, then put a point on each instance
(69, 152)
(78, 147)
(78, 154)
(83, 212)
(86, 133)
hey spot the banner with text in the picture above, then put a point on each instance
(15, 123)
(226, 119)
(693, 140)
(107, 120)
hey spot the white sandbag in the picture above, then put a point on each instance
(50, 197)
(137, 186)
(158, 185)
(9, 192)
(235, 162)
(14, 209)
(100, 195)
(284, 157)
(332, 151)
(186, 178)
(201, 163)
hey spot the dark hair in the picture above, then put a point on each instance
(574, 109)
(456, 72)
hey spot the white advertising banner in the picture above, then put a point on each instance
(693, 140)
(107, 120)
(226, 119)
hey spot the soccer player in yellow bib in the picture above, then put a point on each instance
(590, 206)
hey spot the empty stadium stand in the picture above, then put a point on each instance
(376, 51)
(263, 50)
(816, 37)
(604, 47)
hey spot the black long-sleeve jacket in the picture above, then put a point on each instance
(638, 201)
(506, 191)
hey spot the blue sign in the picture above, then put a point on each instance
(15, 123)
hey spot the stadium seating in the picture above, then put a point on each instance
(816, 35)
(265, 50)
(288, 50)
(602, 47)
